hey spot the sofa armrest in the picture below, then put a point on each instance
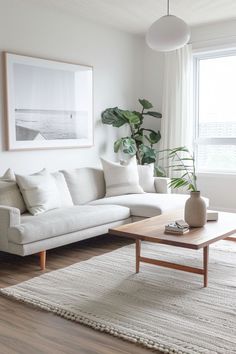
(9, 217)
(162, 185)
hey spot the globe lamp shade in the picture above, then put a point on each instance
(168, 33)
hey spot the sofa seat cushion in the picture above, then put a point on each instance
(63, 221)
(148, 204)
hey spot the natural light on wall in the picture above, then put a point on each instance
(216, 118)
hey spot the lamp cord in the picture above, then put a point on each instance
(168, 7)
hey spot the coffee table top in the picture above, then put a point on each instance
(152, 230)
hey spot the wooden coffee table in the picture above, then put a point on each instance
(152, 230)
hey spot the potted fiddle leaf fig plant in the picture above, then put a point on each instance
(183, 163)
(141, 141)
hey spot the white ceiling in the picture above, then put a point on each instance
(136, 16)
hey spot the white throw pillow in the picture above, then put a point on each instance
(10, 194)
(121, 179)
(39, 191)
(146, 179)
(64, 193)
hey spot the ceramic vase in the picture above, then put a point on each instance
(195, 213)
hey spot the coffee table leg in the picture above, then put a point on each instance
(138, 249)
(205, 264)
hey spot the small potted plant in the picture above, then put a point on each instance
(183, 163)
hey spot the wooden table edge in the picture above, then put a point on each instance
(176, 243)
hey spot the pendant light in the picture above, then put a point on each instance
(168, 33)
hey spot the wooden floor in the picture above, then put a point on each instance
(26, 330)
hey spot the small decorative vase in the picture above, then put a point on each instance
(195, 210)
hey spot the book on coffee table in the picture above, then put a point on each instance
(178, 227)
(178, 233)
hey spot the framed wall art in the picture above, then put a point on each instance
(49, 103)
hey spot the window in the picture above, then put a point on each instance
(215, 112)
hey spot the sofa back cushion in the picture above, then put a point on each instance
(10, 194)
(85, 184)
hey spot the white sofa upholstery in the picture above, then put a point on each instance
(9, 217)
(91, 215)
(64, 221)
(145, 205)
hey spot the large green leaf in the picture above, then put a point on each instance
(148, 154)
(155, 137)
(132, 117)
(127, 145)
(137, 126)
(114, 116)
(145, 103)
(153, 114)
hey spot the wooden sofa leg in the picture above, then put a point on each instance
(42, 256)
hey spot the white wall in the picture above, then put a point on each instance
(220, 189)
(118, 68)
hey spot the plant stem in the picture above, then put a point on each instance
(137, 147)
(194, 174)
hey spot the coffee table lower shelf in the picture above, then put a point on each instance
(202, 271)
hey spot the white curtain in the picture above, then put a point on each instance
(177, 122)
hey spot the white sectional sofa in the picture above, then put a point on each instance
(91, 215)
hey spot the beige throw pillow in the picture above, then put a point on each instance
(146, 179)
(10, 194)
(121, 179)
(39, 191)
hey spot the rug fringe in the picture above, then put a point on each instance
(91, 323)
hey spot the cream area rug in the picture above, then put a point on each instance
(158, 308)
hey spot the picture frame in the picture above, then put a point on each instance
(49, 104)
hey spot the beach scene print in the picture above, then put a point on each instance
(50, 125)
